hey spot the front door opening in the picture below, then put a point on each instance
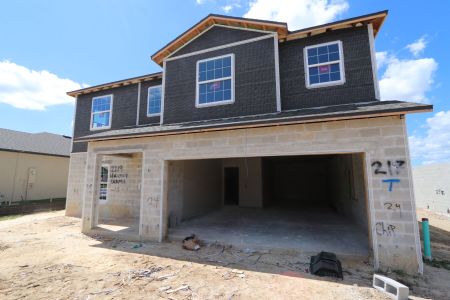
(231, 186)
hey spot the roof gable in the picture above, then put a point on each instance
(217, 35)
(376, 19)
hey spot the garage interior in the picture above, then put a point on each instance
(308, 203)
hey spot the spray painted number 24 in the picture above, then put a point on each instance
(392, 167)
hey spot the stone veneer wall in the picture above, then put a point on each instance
(394, 231)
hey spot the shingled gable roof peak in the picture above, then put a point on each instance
(376, 19)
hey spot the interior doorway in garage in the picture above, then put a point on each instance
(310, 203)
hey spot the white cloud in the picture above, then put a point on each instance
(407, 79)
(434, 145)
(227, 8)
(417, 47)
(30, 89)
(297, 13)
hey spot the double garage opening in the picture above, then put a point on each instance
(307, 203)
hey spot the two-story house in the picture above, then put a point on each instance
(255, 136)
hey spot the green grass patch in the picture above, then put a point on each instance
(438, 263)
(10, 217)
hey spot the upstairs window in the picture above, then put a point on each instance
(154, 101)
(101, 112)
(215, 78)
(324, 65)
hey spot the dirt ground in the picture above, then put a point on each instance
(45, 256)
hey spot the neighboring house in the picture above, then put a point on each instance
(432, 187)
(34, 166)
(252, 135)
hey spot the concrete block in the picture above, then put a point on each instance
(392, 288)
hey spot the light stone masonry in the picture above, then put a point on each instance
(392, 218)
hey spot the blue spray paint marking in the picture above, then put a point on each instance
(391, 182)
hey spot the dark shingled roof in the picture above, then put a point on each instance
(38, 143)
(316, 114)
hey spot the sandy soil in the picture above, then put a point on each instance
(45, 256)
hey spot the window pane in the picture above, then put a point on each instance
(227, 95)
(218, 73)
(322, 50)
(324, 69)
(334, 56)
(325, 72)
(202, 88)
(333, 48)
(334, 68)
(227, 61)
(202, 76)
(154, 100)
(335, 76)
(100, 120)
(210, 65)
(202, 67)
(323, 58)
(227, 72)
(313, 70)
(202, 98)
(313, 60)
(312, 52)
(215, 90)
(313, 79)
(227, 84)
(101, 104)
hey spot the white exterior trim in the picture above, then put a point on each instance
(222, 47)
(277, 71)
(138, 103)
(148, 100)
(73, 124)
(197, 83)
(374, 61)
(340, 61)
(209, 28)
(163, 87)
(110, 112)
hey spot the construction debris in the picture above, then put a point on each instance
(394, 289)
(326, 264)
(183, 287)
(191, 243)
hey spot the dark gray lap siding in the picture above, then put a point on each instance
(255, 91)
(124, 109)
(359, 85)
(218, 36)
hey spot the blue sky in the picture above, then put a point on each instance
(49, 47)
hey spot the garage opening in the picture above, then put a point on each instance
(308, 203)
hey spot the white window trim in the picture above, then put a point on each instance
(197, 83)
(340, 61)
(101, 201)
(97, 112)
(148, 100)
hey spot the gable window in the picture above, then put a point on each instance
(101, 112)
(104, 176)
(154, 101)
(324, 65)
(215, 78)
